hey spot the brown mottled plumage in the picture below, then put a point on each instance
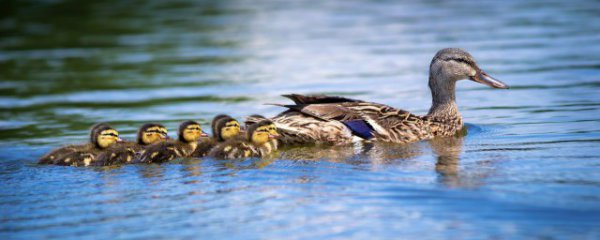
(125, 152)
(102, 136)
(257, 143)
(328, 119)
(188, 135)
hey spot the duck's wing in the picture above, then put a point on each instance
(160, 152)
(55, 155)
(314, 99)
(365, 119)
(390, 124)
(233, 150)
(76, 158)
(116, 155)
(204, 146)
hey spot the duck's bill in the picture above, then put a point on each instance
(273, 136)
(483, 78)
(203, 134)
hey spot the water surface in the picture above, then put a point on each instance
(528, 167)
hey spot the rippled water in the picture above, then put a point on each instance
(528, 166)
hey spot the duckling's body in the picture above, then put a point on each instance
(56, 154)
(102, 136)
(339, 120)
(224, 128)
(126, 152)
(188, 135)
(257, 143)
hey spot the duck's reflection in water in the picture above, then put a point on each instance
(317, 153)
(375, 153)
(447, 151)
(154, 172)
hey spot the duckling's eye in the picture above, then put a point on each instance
(194, 128)
(110, 134)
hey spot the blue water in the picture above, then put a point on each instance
(528, 167)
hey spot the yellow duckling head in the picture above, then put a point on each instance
(226, 128)
(213, 124)
(103, 135)
(151, 133)
(190, 131)
(262, 132)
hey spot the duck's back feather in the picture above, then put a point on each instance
(166, 151)
(234, 149)
(313, 99)
(121, 153)
(71, 155)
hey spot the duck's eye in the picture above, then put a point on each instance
(461, 60)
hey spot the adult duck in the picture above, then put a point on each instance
(339, 120)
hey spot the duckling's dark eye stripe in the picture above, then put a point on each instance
(110, 134)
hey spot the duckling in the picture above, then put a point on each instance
(254, 118)
(257, 144)
(125, 152)
(224, 128)
(102, 136)
(188, 134)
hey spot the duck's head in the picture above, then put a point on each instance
(452, 64)
(103, 135)
(151, 133)
(226, 128)
(190, 131)
(213, 124)
(262, 132)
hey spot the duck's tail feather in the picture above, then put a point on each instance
(314, 99)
